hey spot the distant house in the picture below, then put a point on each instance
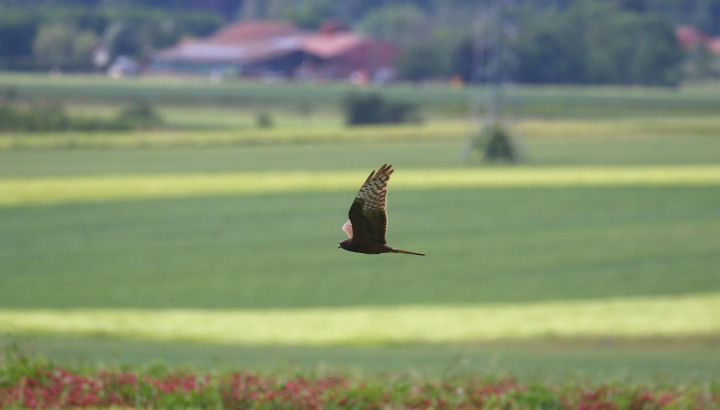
(279, 49)
(690, 38)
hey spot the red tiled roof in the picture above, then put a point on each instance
(253, 30)
(691, 37)
(331, 45)
(254, 41)
(713, 45)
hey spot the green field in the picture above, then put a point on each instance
(554, 101)
(607, 230)
(487, 245)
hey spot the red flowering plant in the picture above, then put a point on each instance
(36, 383)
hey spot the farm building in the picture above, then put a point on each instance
(691, 38)
(279, 49)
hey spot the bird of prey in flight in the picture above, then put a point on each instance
(368, 220)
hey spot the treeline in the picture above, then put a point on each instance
(587, 42)
(704, 14)
(599, 43)
(549, 41)
(227, 8)
(69, 37)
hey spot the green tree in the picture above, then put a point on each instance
(640, 6)
(61, 45)
(126, 38)
(199, 24)
(162, 31)
(406, 25)
(420, 62)
(658, 57)
(18, 28)
(83, 47)
(550, 47)
(706, 16)
(463, 58)
(310, 14)
(610, 38)
(600, 43)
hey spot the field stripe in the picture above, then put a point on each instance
(22, 191)
(691, 315)
(440, 130)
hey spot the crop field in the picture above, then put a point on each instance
(213, 240)
(555, 101)
(279, 250)
(531, 260)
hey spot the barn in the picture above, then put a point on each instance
(278, 49)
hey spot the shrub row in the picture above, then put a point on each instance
(14, 117)
(372, 108)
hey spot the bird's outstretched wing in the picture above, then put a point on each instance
(367, 213)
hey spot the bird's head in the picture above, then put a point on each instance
(345, 244)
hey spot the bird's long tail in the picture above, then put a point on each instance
(394, 250)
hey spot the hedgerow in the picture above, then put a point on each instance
(36, 383)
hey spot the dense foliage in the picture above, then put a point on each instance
(65, 37)
(33, 383)
(597, 43)
(702, 13)
(588, 42)
(16, 115)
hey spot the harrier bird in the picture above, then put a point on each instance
(368, 220)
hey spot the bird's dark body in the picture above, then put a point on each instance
(368, 247)
(368, 219)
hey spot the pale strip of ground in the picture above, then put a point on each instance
(51, 190)
(678, 316)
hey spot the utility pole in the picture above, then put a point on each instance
(488, 138)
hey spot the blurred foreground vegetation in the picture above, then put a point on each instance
(31, 382)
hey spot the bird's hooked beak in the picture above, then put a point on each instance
(339, 246)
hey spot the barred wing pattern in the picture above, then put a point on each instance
(367, 213)
(368, 219)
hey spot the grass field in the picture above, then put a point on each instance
(608, 227)
(587, 102)
(200, 113)
(489, 245)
